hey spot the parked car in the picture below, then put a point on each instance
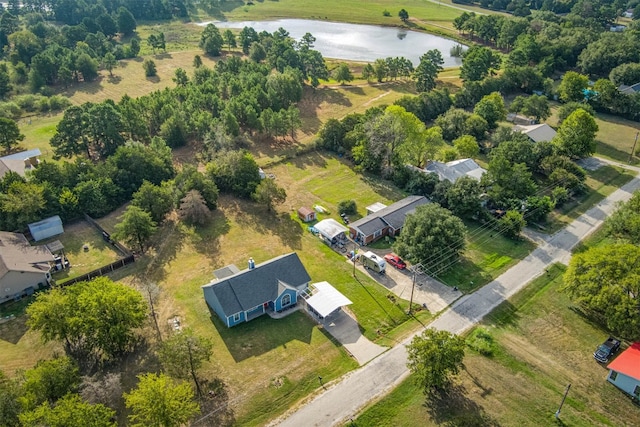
(606, 350)
(396, 261)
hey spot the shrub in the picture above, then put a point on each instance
(149, 68)
(482, 341)
(456, 51)
(386, 13)
(347, 207)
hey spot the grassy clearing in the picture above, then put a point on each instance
(601, 183)
(614, 138)
(357, 11)
(178, 35)
(38, 131)
(488, 254)
(541, 345)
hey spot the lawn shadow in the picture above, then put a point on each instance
(383, 187)
(605, 149)
(214, 405)
(263, 334)
(13, 330)
(114, 79)
(455, 408)
(505, 314)
(315, 159)
(280, 224)
(356, 90)
(393, 321)
(206, 239)
(153, 79)
(90, 88)
(163, 55)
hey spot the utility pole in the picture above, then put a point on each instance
(416, 269)
(562, 403)
(633, 150)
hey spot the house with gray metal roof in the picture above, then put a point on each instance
(537, 133)
(273, 286)
(384, 222)
(19, 163)
(23, 268)
(452, 171)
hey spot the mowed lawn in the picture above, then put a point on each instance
(540, 346)
(269, 365)
(357, 11)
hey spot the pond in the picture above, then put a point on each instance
(356, 42)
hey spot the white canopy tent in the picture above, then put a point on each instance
(331, 229)
(326, 299)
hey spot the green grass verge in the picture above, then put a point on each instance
(540, 345)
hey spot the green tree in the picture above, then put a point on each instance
(149, 68)
(189, 178)
(193, 208)
(10, 407)
(538, 207)
(126, 22)
(257, 53)
(572, 85)
(432, 236)
(427, 71)
(49, 381)
(624, 223)
(158, 401)
(136, 228)
(235, 172)
(70, 410)
(467, 146)
(491, 108)
(109, 62)
(87, 67)
(403, 15)
(95, 318)
(565, 110)
(368, 72)
(478, 62)
(606, 281)
(342, 73)
(508, 183)
(197, 61)
(434, 356)
(211, 41)
(158, 200)
(576, 135)
(536, 106)
(10, 135)
(463, 197)
(180, 77)
(230, 39)
(511, 224)
(182, 355)
(22, 203)
(268, 194)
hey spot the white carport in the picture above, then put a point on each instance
(326, 299)
(331, 230)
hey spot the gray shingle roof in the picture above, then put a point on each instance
(393, 215)
(451, 171)
(16, 254)
(251, 288)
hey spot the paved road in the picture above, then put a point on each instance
(345, 398)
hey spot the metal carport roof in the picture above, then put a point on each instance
(326, 299)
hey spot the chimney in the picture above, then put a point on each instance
(252, 264)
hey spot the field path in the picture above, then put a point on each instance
(344, 399)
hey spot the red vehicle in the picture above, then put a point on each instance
(395, 260)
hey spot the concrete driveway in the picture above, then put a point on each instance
(345, 329)
(427, 292)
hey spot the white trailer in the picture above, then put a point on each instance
(372, 262)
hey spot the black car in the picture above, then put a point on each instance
(606, 350)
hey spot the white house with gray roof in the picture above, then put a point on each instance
(537, 133)
(240, 296)
(387, 221)
(23, 268)
(19, 163)
(452, 171)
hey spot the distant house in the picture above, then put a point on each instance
(628, 13)
(629, 90)
(624, 371)
(19, 162)
(451, 171)
(306, 215)
(537, 133)
(23, 268)
(240, 296)
(385, 222)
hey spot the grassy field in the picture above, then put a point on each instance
(540, 344)
(614, 138)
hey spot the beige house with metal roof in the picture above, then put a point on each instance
(23, 268)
